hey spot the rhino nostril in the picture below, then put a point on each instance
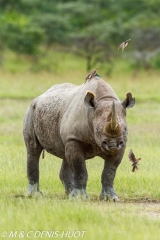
(105, 145)
(121, 143)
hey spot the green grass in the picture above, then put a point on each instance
(29, 85)
(100, 220)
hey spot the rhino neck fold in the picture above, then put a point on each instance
(106, 97)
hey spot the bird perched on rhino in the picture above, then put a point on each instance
(134, 160)
(123, 45)
(91, 75)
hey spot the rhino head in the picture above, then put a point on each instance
(107, 121)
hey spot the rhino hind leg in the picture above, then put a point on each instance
(66, 176)
(34, 150)
(75, 158)
(33, 172)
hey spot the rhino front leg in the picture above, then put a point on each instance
(75, 158)
(33, 171)
(107, 181)
(66, 176)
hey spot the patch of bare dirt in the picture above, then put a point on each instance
(146, 207)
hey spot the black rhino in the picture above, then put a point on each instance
(76, 123)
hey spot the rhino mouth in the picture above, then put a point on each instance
(112, 145)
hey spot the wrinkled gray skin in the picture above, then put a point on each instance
(76, 123)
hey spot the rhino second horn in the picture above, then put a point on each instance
(113, 122)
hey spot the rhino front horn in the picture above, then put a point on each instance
(113, 122)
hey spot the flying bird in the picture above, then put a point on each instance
(91, 75)
(123, 45)
(134, 160)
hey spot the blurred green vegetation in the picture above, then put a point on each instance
(92, 30)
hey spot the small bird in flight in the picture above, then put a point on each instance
(91, 75)
(134, 160)
(123, 45)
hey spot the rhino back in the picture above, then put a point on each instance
(48, 111)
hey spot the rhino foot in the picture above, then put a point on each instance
(33, 191)
(68, 187)
(78, 194)
(108, 194)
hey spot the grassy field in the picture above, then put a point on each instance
(136, 216)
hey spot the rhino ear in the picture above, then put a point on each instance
(89, 100)
(129, 101)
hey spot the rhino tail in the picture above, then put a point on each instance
(43, 153)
